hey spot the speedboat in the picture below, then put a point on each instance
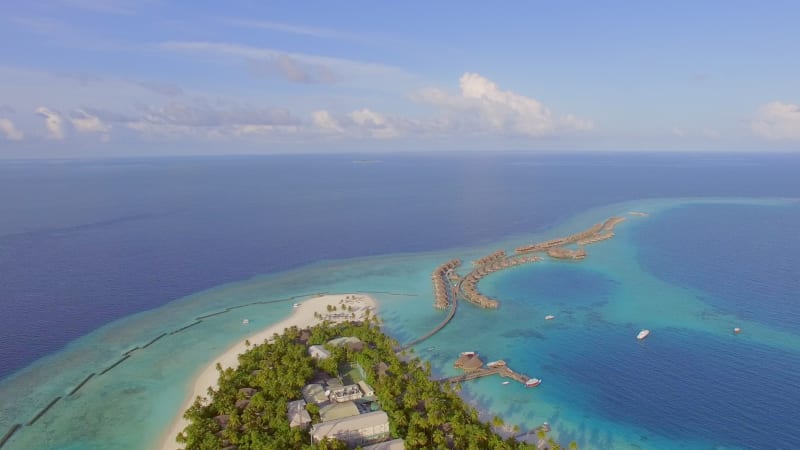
(295, 305)
(533, 382)
(643, 334)
(549, 317)
(737, 330)
(506, 382)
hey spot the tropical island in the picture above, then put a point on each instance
(337, 386)
(332, 380)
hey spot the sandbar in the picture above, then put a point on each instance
(308, 313)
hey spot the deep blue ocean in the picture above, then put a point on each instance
(84, 243)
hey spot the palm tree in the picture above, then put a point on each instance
(497, 421)
(573, 445)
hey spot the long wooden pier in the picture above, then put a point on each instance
(447, 319)
(504, 372)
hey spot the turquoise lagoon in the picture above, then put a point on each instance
(691, 384)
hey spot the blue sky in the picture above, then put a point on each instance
(150, 77)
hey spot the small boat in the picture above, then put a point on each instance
(545, 426)
(245, 322)
(295, 305)
(469, 354)
(506, 382)
(533, 382)
(549, 317)
(643, 334)
(495, 364)
(737, 330)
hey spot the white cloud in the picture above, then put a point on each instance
(10, 131)
(777, 120)
(84, 122)
(53, 122)
(362, 123)
(328, 66)
(483, 106)
(293, 70)
(374, 124)
(324, 121)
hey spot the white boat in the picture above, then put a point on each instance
(737, 330)
(533, 382)
(643, 334)
(245, 322)
(506, 382)
(549, 317)
(469, 354)
(295, 305)
(495, 364)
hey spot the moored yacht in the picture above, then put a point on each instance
(549, 317)
(643, 334)
(533, 382)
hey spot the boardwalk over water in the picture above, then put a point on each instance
(438, 328)
(504, 372)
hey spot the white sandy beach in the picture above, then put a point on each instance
(302, 317)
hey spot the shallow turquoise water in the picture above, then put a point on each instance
(601, 387)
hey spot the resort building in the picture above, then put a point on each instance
(366, 389)
(297, 414)
(335, 411)
(356, 430)
(351, 342)
(319, 352)
(469, 362)
(396, 444)
(314, 393)
(345, 393)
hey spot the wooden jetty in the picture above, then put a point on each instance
(502, 370)
(442, 324)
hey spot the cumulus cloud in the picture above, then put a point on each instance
(362, 123)
(53, 122)
(326, 122)
(11, 132)
(293, 70)
(84, 122)
(777, 121)
(374, 124)
(483, 106)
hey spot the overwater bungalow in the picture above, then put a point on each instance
(468, 362)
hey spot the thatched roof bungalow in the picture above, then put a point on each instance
(469, 362)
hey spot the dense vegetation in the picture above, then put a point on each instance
(424, 412)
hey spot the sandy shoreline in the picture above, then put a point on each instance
(302, 317)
